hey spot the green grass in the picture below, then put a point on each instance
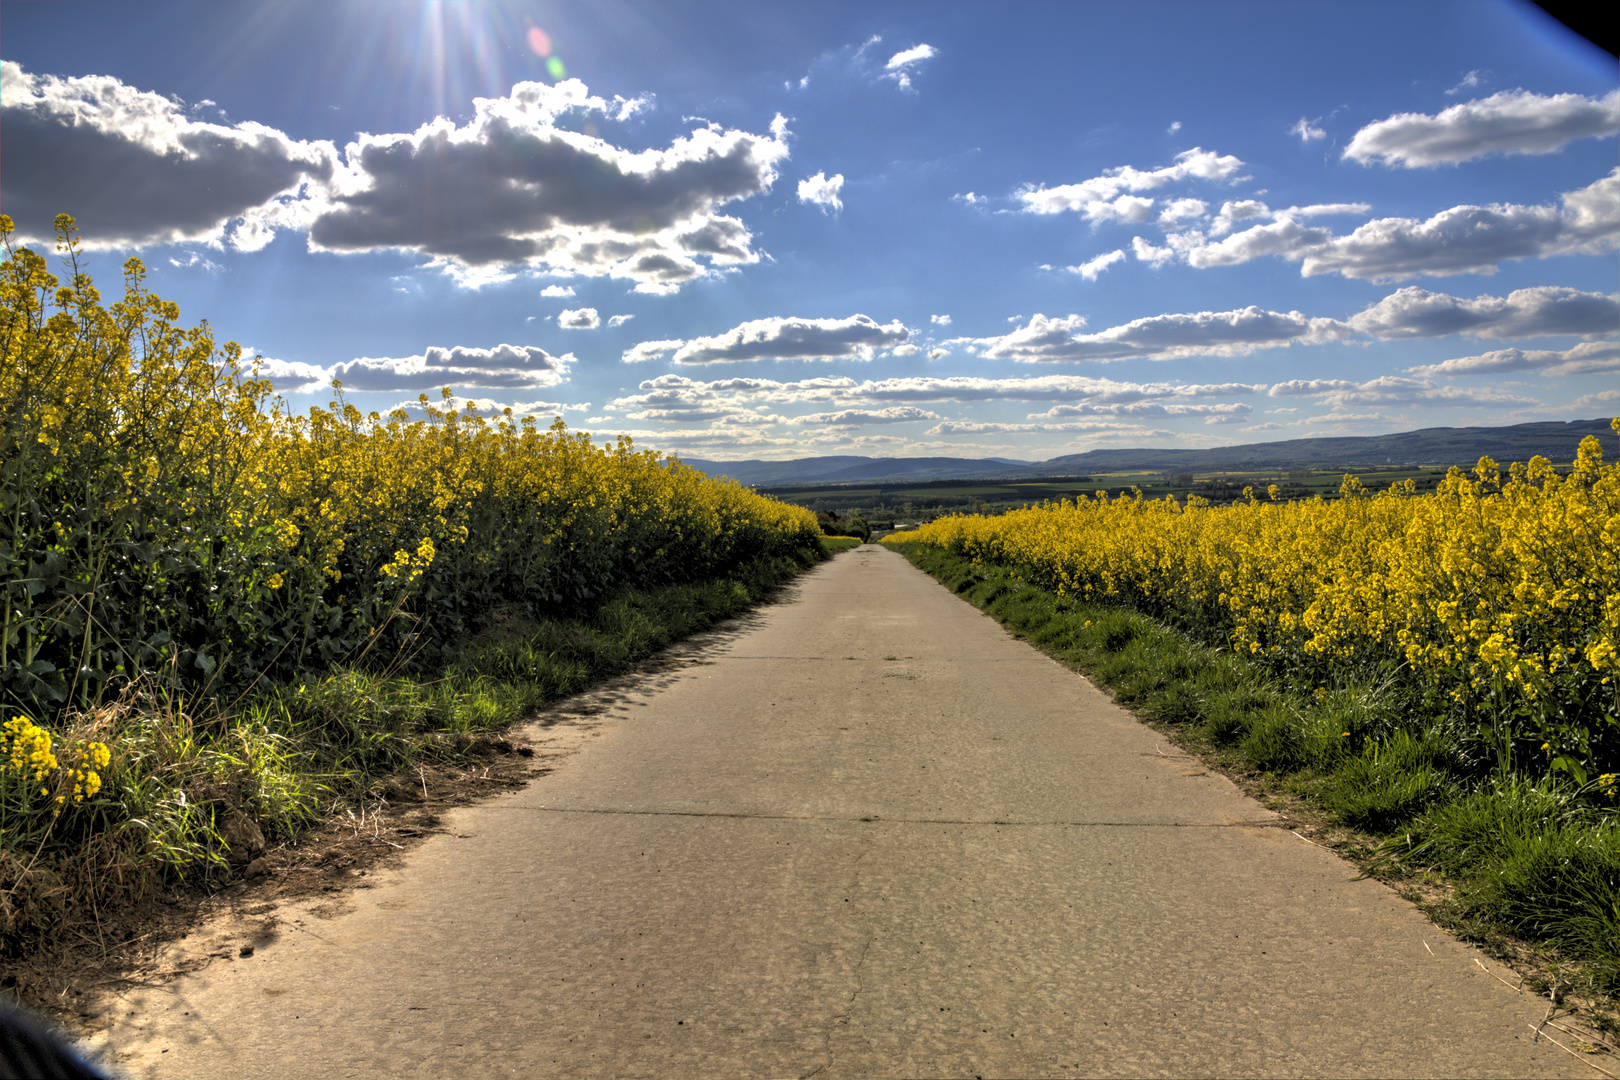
(288, 756)
(1537, 860)
(832, 545)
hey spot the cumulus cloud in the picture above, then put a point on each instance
(1473, 239)
(1162, 337)
(1090, 270)
(508, 367)
(760, 402)
(557, 290)
(1307, 130)
(1230, 412)
(511, 188)
(1146, 252)
(1179, 210)
(1510, 122)
(779, 338)
(1100, 198)
(584, 318)
(1543, 311)
(489, 407)
(136, 169)
(908, 349)
(822, 190)
(650, 350)
(1393, 390)
(292, 376)
(1461, 240)
(902, 64)
(938, 353)
(974, 427)
(1587, 358)
(940, 320)
(619, 320)
(1603, 399)
(894, 414)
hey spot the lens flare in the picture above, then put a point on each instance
(539, 42)
(554, 66)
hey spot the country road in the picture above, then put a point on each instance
(863, 832)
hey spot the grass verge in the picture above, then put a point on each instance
(1529, 870)
(196, 790)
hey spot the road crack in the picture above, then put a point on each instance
(843, 1018)
(873, 819)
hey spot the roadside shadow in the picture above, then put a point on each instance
(665, 667)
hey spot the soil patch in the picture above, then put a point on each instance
(79, 984)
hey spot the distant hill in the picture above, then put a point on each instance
(1429, 446)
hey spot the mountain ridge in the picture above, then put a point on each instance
(1556, 440)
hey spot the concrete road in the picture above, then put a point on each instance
(865, 833)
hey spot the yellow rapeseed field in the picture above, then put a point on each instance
(164, 520)
(1501, 594)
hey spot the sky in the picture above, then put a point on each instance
(780, 230)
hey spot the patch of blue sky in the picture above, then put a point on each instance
(1236, 222)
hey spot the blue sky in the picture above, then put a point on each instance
(780, 230)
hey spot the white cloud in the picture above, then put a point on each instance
(1510, 122)
(1094, 427)
(508, 367)
(778, 338)
(489, 407)
(1467, 82)
(1175, 126)
(1179, 210)
(511, 188)
(822, 191)
(194, 259)
(292, 376)
(1146, 252)
(938, 353)
(940, 320)
(1603, 399)
(584, 318)
(557, 290)
(1098, 197)
(894, 414)
(1284, 238)
(1473, 239)
(650, 350)
(136, 170)
(1307, 129)
(1219, 413)
(902, 64)
(908, 349)
(970, 199)
(677, 397)
(1461, 240)
(1235, 211)
(907, 57)
(1162, 337)
(619, 320)
(1090, 270)
(1543, 311)
(1394, 390)
(1587, 358)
